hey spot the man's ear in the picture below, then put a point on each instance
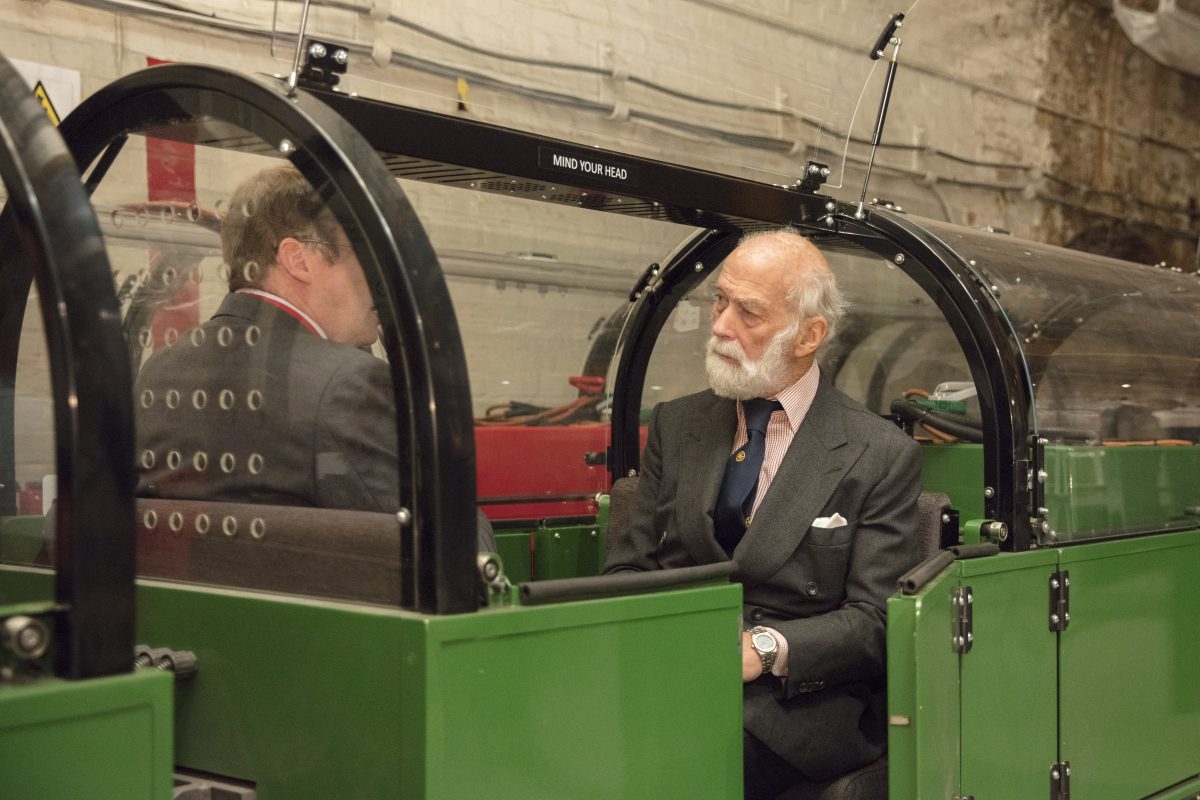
(808, 339)
(295, 260)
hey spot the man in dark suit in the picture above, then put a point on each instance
(275, 400)
(813, 497)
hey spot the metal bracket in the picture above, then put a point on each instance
(1035, 473)
(1060, 600)
(1060, 780)
(815, 174)
(962, 619)
(324, 64)
(950, 532)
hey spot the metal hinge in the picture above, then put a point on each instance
(962, 619)
(1060, 781)
(1060, 600)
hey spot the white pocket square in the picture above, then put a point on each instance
(836, 521)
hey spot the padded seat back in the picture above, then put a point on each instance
(317, 552)
(930, 508)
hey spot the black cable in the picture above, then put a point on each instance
(956, 425)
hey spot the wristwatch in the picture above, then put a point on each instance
(765, 645)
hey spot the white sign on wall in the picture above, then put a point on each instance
(56, 88)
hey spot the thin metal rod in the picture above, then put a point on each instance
(294, 76)
(879, 121)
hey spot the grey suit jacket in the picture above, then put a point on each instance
(824, 589)
(274, 414)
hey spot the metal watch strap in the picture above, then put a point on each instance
(768, 657)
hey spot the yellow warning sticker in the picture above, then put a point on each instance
(39, 91)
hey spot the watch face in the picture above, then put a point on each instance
(764, 642)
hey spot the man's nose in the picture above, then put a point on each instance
(720, 323)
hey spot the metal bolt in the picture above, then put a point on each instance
(1042, 440)
(824, 172)
(1054, 584)
(970, 636)
(1067, 616)
(632, 473)
(404, 516)
(831, 206)
(1052, 536)
(899, 258)
(989, 492)
(970, 597)
(813, 169)
(1045, 526)
(341, 56)
(1054, 619)
(317, 50)
(27, 637)
(1043, 511)
(945, 519)
(1068, 770)
(557, 535)
(1066, 581)
(594, 534)
(1054, 774)
(958, 640)
(287, 147)
(699, 267)
(1042, 475)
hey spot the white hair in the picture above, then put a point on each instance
(815, 293)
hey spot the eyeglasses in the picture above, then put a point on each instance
(334, 245)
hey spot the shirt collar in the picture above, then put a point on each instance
(798, 398)
(275, 299)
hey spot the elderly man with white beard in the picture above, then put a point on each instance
(812, 496)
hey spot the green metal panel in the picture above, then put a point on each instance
(100, 739)
(1103, 491)
(1187, 790)
(514, 550)
(957, 470)
(923, 706)
(1130, 666)
(617, 698)
(312, 699)
(21, 539)
(1009, 689)
(25, 585)
(307, 699)
(567, 551)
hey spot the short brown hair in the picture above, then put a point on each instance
(265, 209)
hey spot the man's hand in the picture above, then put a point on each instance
(751, 660)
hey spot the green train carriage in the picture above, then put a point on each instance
(368, 656)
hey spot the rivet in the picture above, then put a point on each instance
(989, 492)
(404, 516)
(287, 147)
(898, 258)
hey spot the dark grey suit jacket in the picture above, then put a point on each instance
(824, 589)
(309, 422)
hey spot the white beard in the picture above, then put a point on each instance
(748, 379)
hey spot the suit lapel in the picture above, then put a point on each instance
(707, 442)
(816, 461)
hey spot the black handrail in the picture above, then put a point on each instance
(49, 235)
